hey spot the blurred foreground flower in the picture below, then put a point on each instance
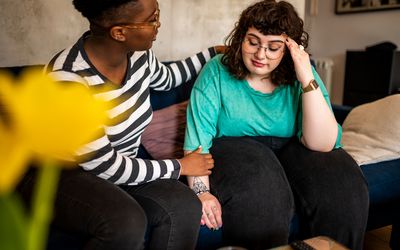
(47, 121)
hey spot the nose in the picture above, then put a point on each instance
(261, 53)
(158, 25)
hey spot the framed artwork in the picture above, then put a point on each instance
(353, 6)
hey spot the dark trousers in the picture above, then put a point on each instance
(261, 181)
(113, 217)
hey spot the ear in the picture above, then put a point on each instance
(118, 33)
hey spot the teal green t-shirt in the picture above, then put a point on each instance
(221, 105)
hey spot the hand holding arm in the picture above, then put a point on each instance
(211, 208)
(196, 164)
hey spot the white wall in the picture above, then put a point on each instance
(32, 31)
(189, 26)
(331, 35)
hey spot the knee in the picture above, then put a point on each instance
(127, 224)
(348, 204)
(184, 202)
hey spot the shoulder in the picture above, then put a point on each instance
(214, 77)
(141, 57)
(216, 61)
(71, 59)
(214, 67)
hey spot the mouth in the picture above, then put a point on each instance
(257, 64)
(155, 36)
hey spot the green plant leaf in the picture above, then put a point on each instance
(13, 223)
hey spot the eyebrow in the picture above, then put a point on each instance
(154, 13)
(271, 41)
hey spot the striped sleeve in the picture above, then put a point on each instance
(166, 77)
(104, 161)
(112, 156)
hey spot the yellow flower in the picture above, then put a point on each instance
(13, 155)
(41, 117)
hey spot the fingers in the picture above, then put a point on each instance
(196, 163)
(212, 216)
(208, 156)
(208, 160)
(301, 60)
(198, 150)
(210, 220)
(293, 45)
(217, 211)
(210, 163)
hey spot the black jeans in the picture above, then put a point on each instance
(261, 181)
(166, 212)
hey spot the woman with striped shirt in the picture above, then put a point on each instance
(115, 198)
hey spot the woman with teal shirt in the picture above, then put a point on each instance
(240, 110)
(264, 114)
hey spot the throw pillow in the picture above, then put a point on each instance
(163, 138)
(371, 131)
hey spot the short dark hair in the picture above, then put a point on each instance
(270, 18)
(104, 12)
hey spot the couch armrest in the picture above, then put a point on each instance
(341, 112)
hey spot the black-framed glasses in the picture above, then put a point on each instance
(273, 51)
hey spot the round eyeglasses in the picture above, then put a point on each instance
(273, 51)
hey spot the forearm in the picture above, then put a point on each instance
(119, 169)
(319, 125)
(199, 184)
(167, 76)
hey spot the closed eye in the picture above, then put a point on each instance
(273, 49)
(253, 42)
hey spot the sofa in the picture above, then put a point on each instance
(383, 181)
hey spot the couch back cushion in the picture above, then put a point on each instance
(163, 138)
(371, 132)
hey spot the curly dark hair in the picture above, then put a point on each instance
(270, 18)
(103, 12)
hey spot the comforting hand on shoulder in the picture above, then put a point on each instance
(212, 211)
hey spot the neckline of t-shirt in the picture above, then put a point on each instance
(259, 93)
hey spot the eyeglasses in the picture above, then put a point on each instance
(143, 25)
(136, 25)
(273, 51)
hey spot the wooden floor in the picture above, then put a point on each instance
(378, 239)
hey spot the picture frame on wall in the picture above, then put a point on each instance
(354, 6)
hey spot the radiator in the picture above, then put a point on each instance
(324, 67)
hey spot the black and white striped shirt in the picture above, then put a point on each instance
(113, 155)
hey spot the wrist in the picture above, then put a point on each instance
(312, 85)
(198, 193)
(199, 187)
(182, 170)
